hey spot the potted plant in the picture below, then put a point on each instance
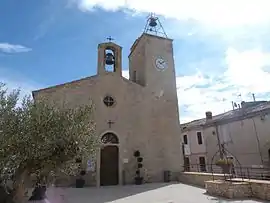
(80, 182)
(138, 178)
(225, 164)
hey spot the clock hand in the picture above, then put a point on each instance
(161, 62)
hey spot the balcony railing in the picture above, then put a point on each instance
(243, 172)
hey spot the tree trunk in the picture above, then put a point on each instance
(18, 192)
(39, 192)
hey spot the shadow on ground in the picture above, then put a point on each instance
(147, 193)
(100, 195)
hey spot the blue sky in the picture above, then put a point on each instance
(221, 49)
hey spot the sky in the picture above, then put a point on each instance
(221, 47)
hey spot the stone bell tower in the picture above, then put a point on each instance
(151, 65)
(109, 58)
(151, 61)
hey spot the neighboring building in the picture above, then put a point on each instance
(244, 135)
(139, 114)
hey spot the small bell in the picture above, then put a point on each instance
(153, 22)
(109, 59)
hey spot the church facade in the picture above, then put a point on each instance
(137, 119)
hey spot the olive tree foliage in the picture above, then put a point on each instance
(38, 137)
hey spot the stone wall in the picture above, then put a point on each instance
(215, 184)
(260, 189)
(70, 181)
(198, 179)
(228, 189)
(239, 189)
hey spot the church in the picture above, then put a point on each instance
(137, 119)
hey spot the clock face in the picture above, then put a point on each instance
(161, 64)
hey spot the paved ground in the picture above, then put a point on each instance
(149, 193)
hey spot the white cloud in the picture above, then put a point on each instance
(14, 80)
(245, 69)
(244, 75)
(125, 74)
(13, 48)
(211, 12)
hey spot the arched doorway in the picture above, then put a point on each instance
(109, 160)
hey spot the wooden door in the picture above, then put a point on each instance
(109, 163)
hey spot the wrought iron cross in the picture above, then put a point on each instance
(110, 38)
(110, 123)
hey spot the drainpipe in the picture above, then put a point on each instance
(258, 140)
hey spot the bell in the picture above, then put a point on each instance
(153, 22)
(109, 59)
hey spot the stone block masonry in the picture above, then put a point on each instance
(228, 189)
(216, 184)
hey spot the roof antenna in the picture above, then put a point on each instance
(154, 26)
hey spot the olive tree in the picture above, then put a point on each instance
(42, 138)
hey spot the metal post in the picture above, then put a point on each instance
(219, 144)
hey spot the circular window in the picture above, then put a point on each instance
(108, 101)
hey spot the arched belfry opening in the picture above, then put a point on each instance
(109, 160)
(109, 58)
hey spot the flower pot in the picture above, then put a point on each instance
(138, 180)
(80, 183)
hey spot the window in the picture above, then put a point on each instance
(199, 137)
(185, 139)
(202, 163)
(108, 101)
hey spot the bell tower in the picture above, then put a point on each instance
(151, 65)
(109, 58)
(151, 61)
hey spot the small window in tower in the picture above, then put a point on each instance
(108, 101)
(134, 76)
